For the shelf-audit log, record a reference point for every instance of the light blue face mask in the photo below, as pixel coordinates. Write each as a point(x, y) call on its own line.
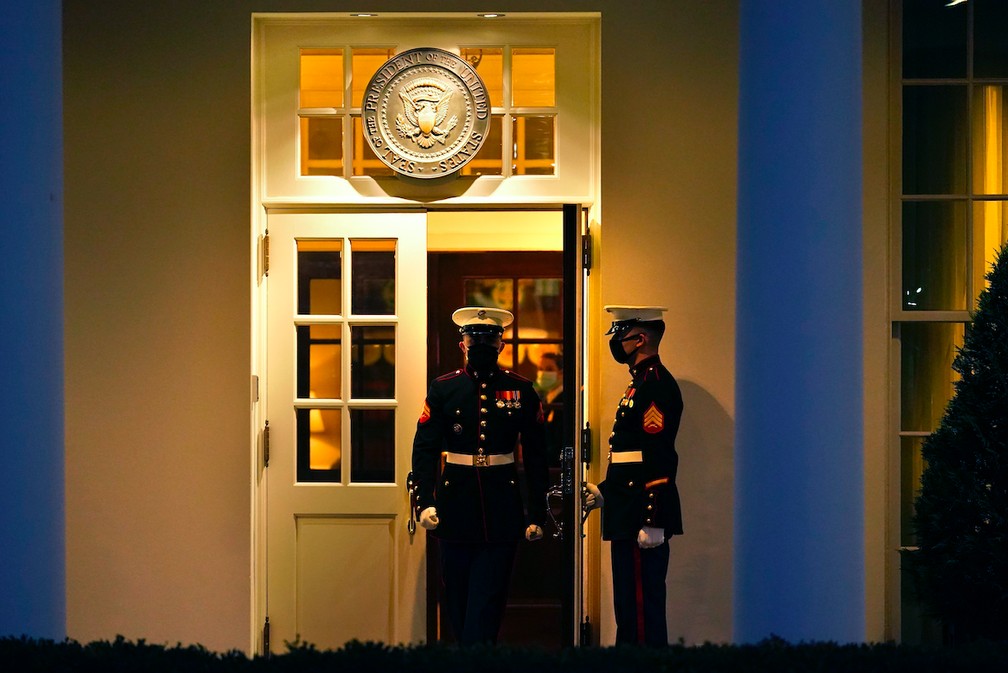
point(547, 380)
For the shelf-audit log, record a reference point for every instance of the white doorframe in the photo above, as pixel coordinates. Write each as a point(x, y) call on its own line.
point(578, 81)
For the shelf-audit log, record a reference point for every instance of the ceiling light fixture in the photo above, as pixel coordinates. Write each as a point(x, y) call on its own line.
point(490, 15)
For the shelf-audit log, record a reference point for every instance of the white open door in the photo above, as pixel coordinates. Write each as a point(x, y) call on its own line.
point(346, 368)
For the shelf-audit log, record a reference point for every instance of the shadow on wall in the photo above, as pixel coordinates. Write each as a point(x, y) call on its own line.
point(700, 566)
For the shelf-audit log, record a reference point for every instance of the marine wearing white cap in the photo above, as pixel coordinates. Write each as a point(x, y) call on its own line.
point(466, 481)
point(639, 498)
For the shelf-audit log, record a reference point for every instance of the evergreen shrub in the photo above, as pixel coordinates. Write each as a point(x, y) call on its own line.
point(774, 655)
point(961, 513)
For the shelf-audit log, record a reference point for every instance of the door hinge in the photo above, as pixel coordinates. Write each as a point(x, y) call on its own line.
point(255, 388)
point(586, 252)
point(586, 440)
point(266, 642)
point(265, 253)
point(266, 445)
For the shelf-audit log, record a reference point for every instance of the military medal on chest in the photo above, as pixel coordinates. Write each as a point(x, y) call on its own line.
point(508, 399)
point(627, 400)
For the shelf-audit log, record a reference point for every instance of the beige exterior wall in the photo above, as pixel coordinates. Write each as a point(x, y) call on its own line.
point(157, 321)
point(667, 237)
point(158, 308)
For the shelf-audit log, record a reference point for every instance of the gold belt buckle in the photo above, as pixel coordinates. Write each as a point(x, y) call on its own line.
point(480, 460)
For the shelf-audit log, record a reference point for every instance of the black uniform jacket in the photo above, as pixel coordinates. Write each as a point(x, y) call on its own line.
point(469, 413)
point(638, 494)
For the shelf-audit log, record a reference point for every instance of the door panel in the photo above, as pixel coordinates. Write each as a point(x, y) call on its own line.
point(345, 378)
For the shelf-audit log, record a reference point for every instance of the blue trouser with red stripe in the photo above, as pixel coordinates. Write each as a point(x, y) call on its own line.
point(639, 593)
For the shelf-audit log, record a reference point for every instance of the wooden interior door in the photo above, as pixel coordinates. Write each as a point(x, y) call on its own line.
point(530, 284)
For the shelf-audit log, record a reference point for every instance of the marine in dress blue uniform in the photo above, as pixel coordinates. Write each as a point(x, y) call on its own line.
point(639, 499)
point(467, 492)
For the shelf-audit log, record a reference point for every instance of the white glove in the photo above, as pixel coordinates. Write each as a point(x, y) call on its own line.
point(593, 498)
point(650, 537)
point(533, 533)
point(428, 518)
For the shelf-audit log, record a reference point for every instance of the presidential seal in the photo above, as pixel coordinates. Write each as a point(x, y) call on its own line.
point(426, 113)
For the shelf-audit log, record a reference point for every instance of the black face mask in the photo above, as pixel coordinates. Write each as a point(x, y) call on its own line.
point(481, 356)
point(616, 348)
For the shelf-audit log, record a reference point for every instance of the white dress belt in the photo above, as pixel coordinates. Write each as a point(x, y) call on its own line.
point(479, 460)
point(626, 457)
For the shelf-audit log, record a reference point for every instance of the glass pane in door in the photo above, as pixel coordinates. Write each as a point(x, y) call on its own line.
point(372, 366)
point(319, 445)
point(372, 445)
point(319, 275)
point(319, 357)
point(374, 277)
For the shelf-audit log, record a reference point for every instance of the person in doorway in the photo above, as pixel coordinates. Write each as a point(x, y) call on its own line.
point(467, 491)
point(549, 383)
point(639, 499)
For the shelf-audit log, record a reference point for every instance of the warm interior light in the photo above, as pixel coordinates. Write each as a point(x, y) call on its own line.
point(490, 15)
point(315, 423)
point(995, 178)
point(363, 14)
point(315, 420)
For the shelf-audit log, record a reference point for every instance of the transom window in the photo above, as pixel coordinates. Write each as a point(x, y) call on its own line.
point(522, 86)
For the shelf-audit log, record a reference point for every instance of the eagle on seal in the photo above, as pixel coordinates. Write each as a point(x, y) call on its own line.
point(425, 106)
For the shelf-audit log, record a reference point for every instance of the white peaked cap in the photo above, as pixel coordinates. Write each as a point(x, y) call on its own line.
point(482, 319)
point(625, 315)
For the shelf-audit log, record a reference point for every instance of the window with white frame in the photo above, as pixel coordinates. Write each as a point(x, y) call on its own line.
point(951, 219)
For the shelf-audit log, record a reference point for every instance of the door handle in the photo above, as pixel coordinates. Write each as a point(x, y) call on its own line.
point(552, 494)
point(562, 491)
point(411, 490)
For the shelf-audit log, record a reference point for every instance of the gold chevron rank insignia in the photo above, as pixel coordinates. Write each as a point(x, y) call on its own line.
point(654, 420)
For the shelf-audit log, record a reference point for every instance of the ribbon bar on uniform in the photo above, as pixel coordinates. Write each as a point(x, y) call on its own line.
point(626, 457)
point(479, 460)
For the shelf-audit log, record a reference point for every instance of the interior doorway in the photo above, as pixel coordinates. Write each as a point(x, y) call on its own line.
point(527, 276)
point(529, 285)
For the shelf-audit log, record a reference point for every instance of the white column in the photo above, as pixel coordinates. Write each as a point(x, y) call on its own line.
point(32, 550)
point(799, 488)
